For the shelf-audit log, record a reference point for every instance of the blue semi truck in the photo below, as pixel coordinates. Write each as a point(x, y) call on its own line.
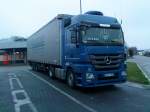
point(86, 50)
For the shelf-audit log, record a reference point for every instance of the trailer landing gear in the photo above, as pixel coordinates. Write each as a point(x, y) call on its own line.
point(51, 73)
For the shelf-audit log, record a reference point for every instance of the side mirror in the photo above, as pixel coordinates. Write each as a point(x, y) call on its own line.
point(75, 37)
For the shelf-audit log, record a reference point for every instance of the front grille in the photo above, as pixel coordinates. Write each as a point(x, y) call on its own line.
point(105, 62)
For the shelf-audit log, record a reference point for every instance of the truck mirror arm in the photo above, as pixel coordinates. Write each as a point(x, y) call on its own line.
point(77, 39)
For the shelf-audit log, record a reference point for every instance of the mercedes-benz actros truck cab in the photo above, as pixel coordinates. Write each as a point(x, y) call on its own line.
point(86, 50)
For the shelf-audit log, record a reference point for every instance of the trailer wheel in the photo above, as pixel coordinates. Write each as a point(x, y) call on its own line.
point(36, 68)
point(33, 67)
point(51, 73)
point(70, 79)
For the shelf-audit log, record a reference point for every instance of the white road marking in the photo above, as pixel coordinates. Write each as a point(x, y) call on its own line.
point(64, 93)
point(21, 102)
point(15, 91)
point(11, 79)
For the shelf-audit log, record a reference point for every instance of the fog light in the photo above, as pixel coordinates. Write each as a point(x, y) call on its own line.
point(89, 76)
point(124, 73)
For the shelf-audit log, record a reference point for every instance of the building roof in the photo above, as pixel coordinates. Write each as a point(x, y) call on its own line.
point(14, 42)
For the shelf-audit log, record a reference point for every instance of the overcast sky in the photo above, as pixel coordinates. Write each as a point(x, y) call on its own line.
point(24, 17)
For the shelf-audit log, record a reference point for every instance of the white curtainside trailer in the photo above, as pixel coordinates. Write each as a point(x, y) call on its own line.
point(45, 46)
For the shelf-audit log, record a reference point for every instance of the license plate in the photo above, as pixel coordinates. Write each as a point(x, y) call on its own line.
point(109, 75)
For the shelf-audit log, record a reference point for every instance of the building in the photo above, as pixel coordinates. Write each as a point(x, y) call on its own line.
point(141, 52)
point(13, 50)
point(146, 52)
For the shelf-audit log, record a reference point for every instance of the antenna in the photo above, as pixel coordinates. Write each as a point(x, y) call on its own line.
point(80, 6)
point(121, 12)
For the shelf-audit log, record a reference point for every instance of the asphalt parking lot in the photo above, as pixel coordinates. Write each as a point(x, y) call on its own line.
point(23, 90)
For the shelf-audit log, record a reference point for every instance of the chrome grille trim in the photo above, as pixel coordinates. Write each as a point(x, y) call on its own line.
point(99, 62)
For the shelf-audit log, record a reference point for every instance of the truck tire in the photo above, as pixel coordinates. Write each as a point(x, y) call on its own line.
point(33, 67)
point(36, 68)
point(70, 79)
point(51, 73)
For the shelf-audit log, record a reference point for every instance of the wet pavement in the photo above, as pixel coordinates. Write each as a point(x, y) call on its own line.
point(24, 90)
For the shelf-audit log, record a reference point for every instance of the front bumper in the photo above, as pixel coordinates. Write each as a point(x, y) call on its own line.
point(99, 76)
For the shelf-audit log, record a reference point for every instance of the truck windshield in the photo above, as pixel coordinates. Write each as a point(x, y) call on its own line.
point(102, 36)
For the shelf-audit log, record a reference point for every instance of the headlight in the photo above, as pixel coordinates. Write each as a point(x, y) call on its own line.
point(124, 73)
point(89, 76)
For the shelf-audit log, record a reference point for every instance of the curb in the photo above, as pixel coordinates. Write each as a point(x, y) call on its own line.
point(143, 72)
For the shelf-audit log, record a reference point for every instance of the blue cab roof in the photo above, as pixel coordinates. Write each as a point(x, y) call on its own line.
point(94, 19)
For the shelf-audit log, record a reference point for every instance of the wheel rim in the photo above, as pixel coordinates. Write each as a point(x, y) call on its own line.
point(70, 79)
point(50, 73)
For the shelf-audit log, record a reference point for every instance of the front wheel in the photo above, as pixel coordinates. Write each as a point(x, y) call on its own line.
point(71, 79)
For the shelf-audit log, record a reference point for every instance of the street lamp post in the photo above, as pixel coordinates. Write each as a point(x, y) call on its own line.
point(80, 6)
